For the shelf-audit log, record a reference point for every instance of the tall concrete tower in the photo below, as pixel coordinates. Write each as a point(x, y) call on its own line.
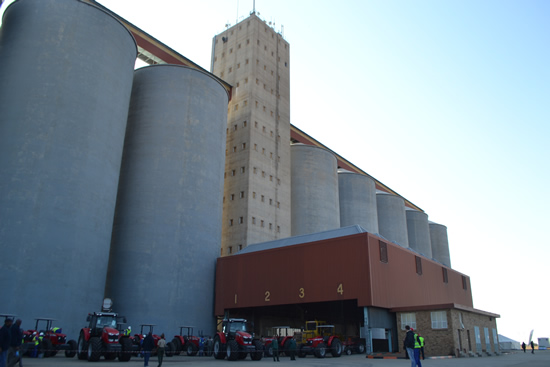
point(254, 59)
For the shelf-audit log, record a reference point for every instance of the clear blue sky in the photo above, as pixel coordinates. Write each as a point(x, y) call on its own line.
point(446, 102)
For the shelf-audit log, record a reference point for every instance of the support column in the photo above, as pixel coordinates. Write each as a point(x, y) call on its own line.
point(365, 331)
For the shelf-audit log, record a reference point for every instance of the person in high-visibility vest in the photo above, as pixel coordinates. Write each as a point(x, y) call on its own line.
point(421, 340)
point(417, 347)
point(57, 330)
point(37, 339)
point(128, 331)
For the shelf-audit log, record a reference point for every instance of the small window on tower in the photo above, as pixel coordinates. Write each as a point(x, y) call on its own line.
point(418, 265)
point(383, 251)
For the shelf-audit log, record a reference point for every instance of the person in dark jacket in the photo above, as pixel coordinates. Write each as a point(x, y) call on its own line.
point(532, 347)
point(275, 347)
point(292, 349)
point(148, 345)
point(5, 342)
point(14, 354)
point(408, 344)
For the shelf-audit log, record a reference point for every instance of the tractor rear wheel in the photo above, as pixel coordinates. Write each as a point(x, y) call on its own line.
point(169, 349)
point(217, 349)
point(232, 350)
point(301, 352)
point(82, 348)
point(320, 350)
point(336, 347)
point(70, 353)
point(361, 348)
point(126, 349)
point(95, 349)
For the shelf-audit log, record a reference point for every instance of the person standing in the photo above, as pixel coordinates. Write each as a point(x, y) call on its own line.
point(417, 350)
point(532, 347)
point(148, 345)
point(408, 344)
point(5, 341)
point(275, 347)
point(292, 349)
point(14, 353)
point(161, 347)
point(523, 346)
point(421, 340)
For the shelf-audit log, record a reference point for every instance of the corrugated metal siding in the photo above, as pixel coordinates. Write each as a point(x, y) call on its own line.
point(277, 276)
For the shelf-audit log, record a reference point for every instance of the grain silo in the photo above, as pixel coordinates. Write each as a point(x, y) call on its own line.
point(167, 231)
point(357, 195)
point(419, 232)
point(66, 71)
point(314, 190)
point(440, 243)
point(392, 222)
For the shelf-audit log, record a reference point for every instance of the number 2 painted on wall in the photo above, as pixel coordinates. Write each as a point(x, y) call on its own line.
point(267, 295)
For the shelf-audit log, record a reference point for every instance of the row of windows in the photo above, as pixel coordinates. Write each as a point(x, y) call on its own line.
point(383, 248)
point(230, 70)
point(230, 249)
point(253, 221)
point(255, 170)
point(438, 318)
point(245, 124)
point(262, 198)
point(264, 108)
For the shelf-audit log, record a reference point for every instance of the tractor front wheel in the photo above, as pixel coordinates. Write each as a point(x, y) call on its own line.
point(257, 355)
point(191, 348)
point(320, 350)
point(126, 349)
point(70, 353)
point(176, 344)
point(95, 349)
point(336, 347)
point(232, 350)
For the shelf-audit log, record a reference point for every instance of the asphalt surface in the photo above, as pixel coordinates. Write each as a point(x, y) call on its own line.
point(515, 359)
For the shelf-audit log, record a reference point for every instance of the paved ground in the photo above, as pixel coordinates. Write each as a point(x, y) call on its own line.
point(517, 359)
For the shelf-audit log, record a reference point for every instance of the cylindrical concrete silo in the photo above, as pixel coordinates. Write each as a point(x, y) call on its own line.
point(167, 231)
point(357, 195)
point(419, 232)
point(440, 243)
point(66, 71)
point(314, 190)
point(392, 222)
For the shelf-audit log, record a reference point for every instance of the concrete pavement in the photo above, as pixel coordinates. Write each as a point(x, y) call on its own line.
point(516, 359)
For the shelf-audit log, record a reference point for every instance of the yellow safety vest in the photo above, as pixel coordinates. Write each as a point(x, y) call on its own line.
point(416, 342)
point(421, 341)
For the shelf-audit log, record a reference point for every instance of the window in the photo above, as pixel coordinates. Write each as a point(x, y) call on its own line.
point(233, 172)
point(254, 195)
point(408, 319)
point(229, 250)
point(270, 201)
point(255, 170)
point(240, 247)
point(234, 149)
point(278, 204)
point(439, 319)
point(464, 283)
point(270, 226)
point(262, 223)
point(235, 127)
point(263, 198)
point(270, 178)
point(238, 65)
point(241, 220)
point(256, 147)
point(263, 151)
point(263, 173)
point(241, 194)
point(383, 251)
point(230, 70)
point(445, 275)
point(278, 228)
point(243, 169)
point(418, 265)
point(244, 123)
point(253, 220)
point(232, 196)
point(230, 222)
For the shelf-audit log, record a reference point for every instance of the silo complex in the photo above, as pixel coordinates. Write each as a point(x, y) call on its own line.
point(357, 195)
point(392, 222)
point(314, 190)
point(440, 243)
point(419, 232)
point(66, 71)
point(167, 231)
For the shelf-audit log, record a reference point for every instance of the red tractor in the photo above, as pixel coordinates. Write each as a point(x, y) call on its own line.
point(317, 338)
point(102, 338)
point(235, 341)
point(144, 330)
point(51, 339)
point(284, 337)
point(185, 341)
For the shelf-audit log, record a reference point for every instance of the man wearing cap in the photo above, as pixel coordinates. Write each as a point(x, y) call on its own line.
point(5, 341)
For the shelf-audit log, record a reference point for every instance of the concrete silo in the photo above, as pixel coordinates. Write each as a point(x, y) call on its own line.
point(167, 231)
point(66, 71)
point(392, 221)
point(419, 232)
point(314, 190)
point(357, 195)
point(440, 243)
